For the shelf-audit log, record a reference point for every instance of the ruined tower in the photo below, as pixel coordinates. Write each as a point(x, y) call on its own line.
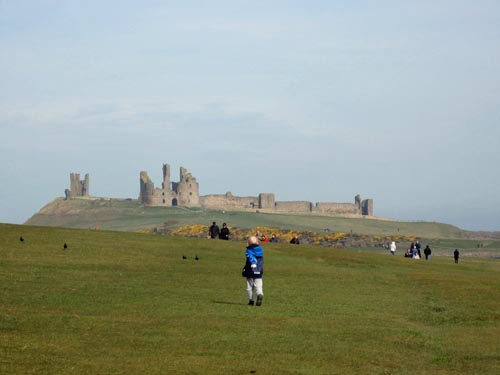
point(357, 202)
point(187, 189)
point(166, 176)
point(182, 193)
point(367, 207)
point(146, 189)
point(78, 188)
point(266, 200)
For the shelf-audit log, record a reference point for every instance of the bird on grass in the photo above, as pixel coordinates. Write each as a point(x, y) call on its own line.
point(21, 239)
point(184, 257)
point(65, 245)
point(196, 257)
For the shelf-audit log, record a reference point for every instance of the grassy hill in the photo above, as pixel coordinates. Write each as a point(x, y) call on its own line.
point(129, 215)
point(127, 303)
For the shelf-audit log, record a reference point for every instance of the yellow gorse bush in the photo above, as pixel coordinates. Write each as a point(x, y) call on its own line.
point(196, 230)
point(338, 239)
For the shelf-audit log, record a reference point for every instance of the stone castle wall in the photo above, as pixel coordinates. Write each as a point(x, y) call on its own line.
point(336, 208)
point(228, 201)
point(185, 193)
point(293, 206)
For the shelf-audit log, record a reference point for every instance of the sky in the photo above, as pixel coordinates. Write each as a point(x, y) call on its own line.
point(397, 101)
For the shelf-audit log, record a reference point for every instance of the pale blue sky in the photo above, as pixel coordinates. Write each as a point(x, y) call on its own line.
point(398, 101)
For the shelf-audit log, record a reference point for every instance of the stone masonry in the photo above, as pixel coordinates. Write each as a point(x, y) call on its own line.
point(182, 193)
point(78, 188)
point(186, 193)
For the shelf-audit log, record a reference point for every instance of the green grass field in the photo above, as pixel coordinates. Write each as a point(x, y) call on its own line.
point(127, 303)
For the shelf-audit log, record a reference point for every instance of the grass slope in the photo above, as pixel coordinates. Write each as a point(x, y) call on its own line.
point(130, 215)
point(125, 303)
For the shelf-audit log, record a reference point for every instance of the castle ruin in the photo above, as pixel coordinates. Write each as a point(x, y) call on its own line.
point(78, 188)
point(186, 193)
point(182, 193)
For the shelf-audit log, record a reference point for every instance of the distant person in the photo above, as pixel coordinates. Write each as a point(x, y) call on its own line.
point(213, 231)
point(413, 250)
point(224, 232)
point(456, 255)
point(392, 248)
point(273, 238)
point(263, 238)
point(427, 252)
point(417, 247)
point(254, 270)
point(295, 240)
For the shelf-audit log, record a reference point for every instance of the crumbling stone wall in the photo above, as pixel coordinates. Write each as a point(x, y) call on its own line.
point(228, 201)
point(185, 192)
point(78, 188)
point(293, 206)
point(337, 208)
point(148, 194)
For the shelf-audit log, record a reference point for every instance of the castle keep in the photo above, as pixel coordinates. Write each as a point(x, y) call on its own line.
point(186, 193)
point(182, 193)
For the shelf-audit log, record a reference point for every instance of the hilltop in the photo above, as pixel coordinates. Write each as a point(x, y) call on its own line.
point(130, 215)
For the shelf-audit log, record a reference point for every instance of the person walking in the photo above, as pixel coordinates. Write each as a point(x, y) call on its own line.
point(224, 232)
point(213, 231)
point(456, 255)
point(392, 248)
point(427, 252)
point(254, 270)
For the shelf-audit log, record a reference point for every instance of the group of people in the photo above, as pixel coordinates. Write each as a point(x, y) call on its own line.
point(222, 234)
point(414, 251)
point(264, 238)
